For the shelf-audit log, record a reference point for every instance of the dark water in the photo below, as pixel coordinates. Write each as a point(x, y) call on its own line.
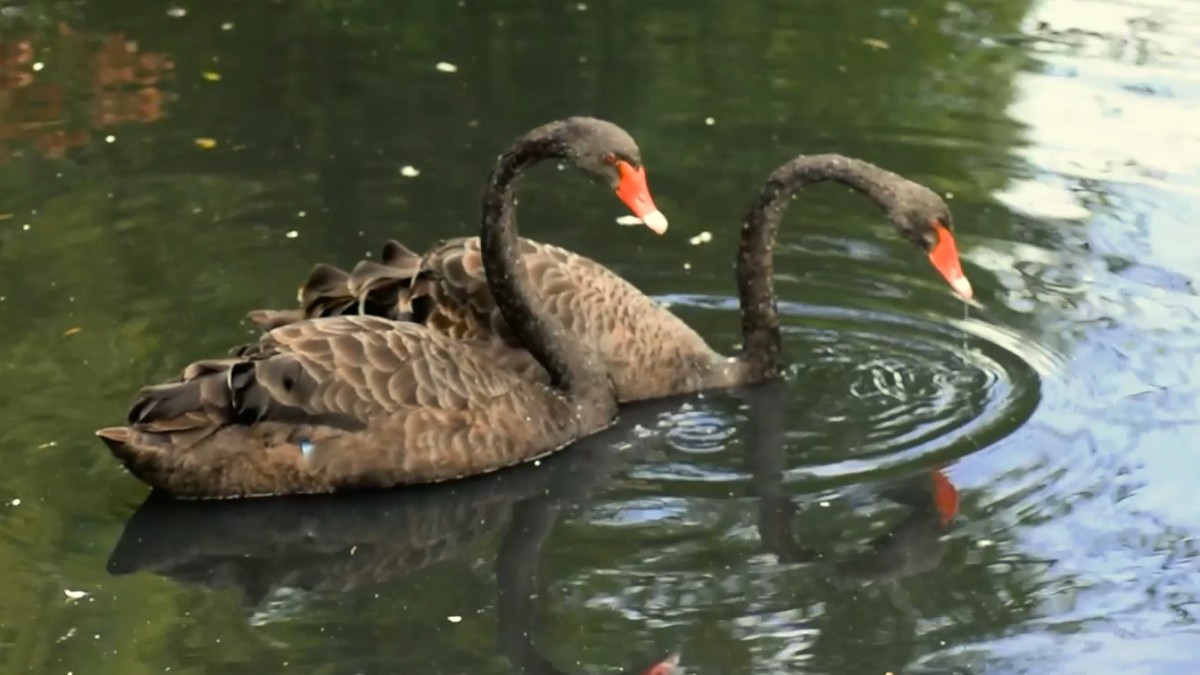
point(1009, 490)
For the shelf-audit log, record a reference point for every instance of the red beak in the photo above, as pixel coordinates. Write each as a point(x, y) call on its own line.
point(944, 257)
point(945, 496)
point(636, 194)
point(667, 666)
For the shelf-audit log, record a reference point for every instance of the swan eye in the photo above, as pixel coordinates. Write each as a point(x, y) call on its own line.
point(610, 158)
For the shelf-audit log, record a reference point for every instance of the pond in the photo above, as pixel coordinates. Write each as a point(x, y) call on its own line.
point(934, 487)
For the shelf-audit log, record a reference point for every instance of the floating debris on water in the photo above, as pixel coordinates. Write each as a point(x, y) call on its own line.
point(228, 25)
point(446, 67)
point(110, 139)
point(74, 595)
point(71, 331)
point(211, 75)
point(702, 238)
point(629, 220)
point(454, 618)
point(15, 502)
point(710, 121)
point(292, 234)
point(876, 43)
point(177, 12)
point(38, 65)
point(687, 266)
point(206, 143)
point(409, 171)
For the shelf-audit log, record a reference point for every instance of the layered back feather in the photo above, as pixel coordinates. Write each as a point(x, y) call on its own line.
point(343, 402)
point(646, 350)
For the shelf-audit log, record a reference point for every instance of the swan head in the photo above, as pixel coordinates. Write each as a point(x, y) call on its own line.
point(923, 218)
point(609, 154)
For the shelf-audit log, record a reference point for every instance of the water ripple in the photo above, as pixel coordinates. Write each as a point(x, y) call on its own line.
point(870, 391)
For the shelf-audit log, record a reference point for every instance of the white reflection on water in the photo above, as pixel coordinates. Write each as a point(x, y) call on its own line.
point(1100, 485)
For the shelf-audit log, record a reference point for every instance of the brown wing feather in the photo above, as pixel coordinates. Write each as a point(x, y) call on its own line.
point(375, 402)
point(648, 351)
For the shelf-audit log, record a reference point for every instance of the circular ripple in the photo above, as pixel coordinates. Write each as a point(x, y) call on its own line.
point(881, 389)
point(699, 431)
point(868, 391)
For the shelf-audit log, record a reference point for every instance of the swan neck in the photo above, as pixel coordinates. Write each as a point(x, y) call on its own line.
point(570, 367)
point(761, 338)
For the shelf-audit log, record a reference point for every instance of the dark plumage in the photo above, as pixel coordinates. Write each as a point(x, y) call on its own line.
point(359, 401)
point(646, 350)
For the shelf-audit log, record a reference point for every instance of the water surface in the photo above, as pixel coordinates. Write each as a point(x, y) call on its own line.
point(931, 490)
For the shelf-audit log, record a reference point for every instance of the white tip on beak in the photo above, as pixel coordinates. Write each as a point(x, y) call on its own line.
point(963, 287)
point(657, 222)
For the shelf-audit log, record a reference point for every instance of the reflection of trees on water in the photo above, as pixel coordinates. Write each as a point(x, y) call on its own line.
point(45, 79)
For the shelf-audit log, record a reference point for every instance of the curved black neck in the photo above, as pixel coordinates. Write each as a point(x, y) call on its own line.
point(571, 368)
point(761, 339)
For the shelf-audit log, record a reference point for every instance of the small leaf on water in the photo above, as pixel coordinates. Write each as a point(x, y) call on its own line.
point(72, 331)
point(212, 76)
point(876, 43)
point(206, 143)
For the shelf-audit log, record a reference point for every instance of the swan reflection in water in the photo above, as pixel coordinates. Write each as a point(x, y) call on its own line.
point(911, 546)
point(333, 543)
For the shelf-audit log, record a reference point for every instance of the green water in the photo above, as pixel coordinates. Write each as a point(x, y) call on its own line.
point(167, 168)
